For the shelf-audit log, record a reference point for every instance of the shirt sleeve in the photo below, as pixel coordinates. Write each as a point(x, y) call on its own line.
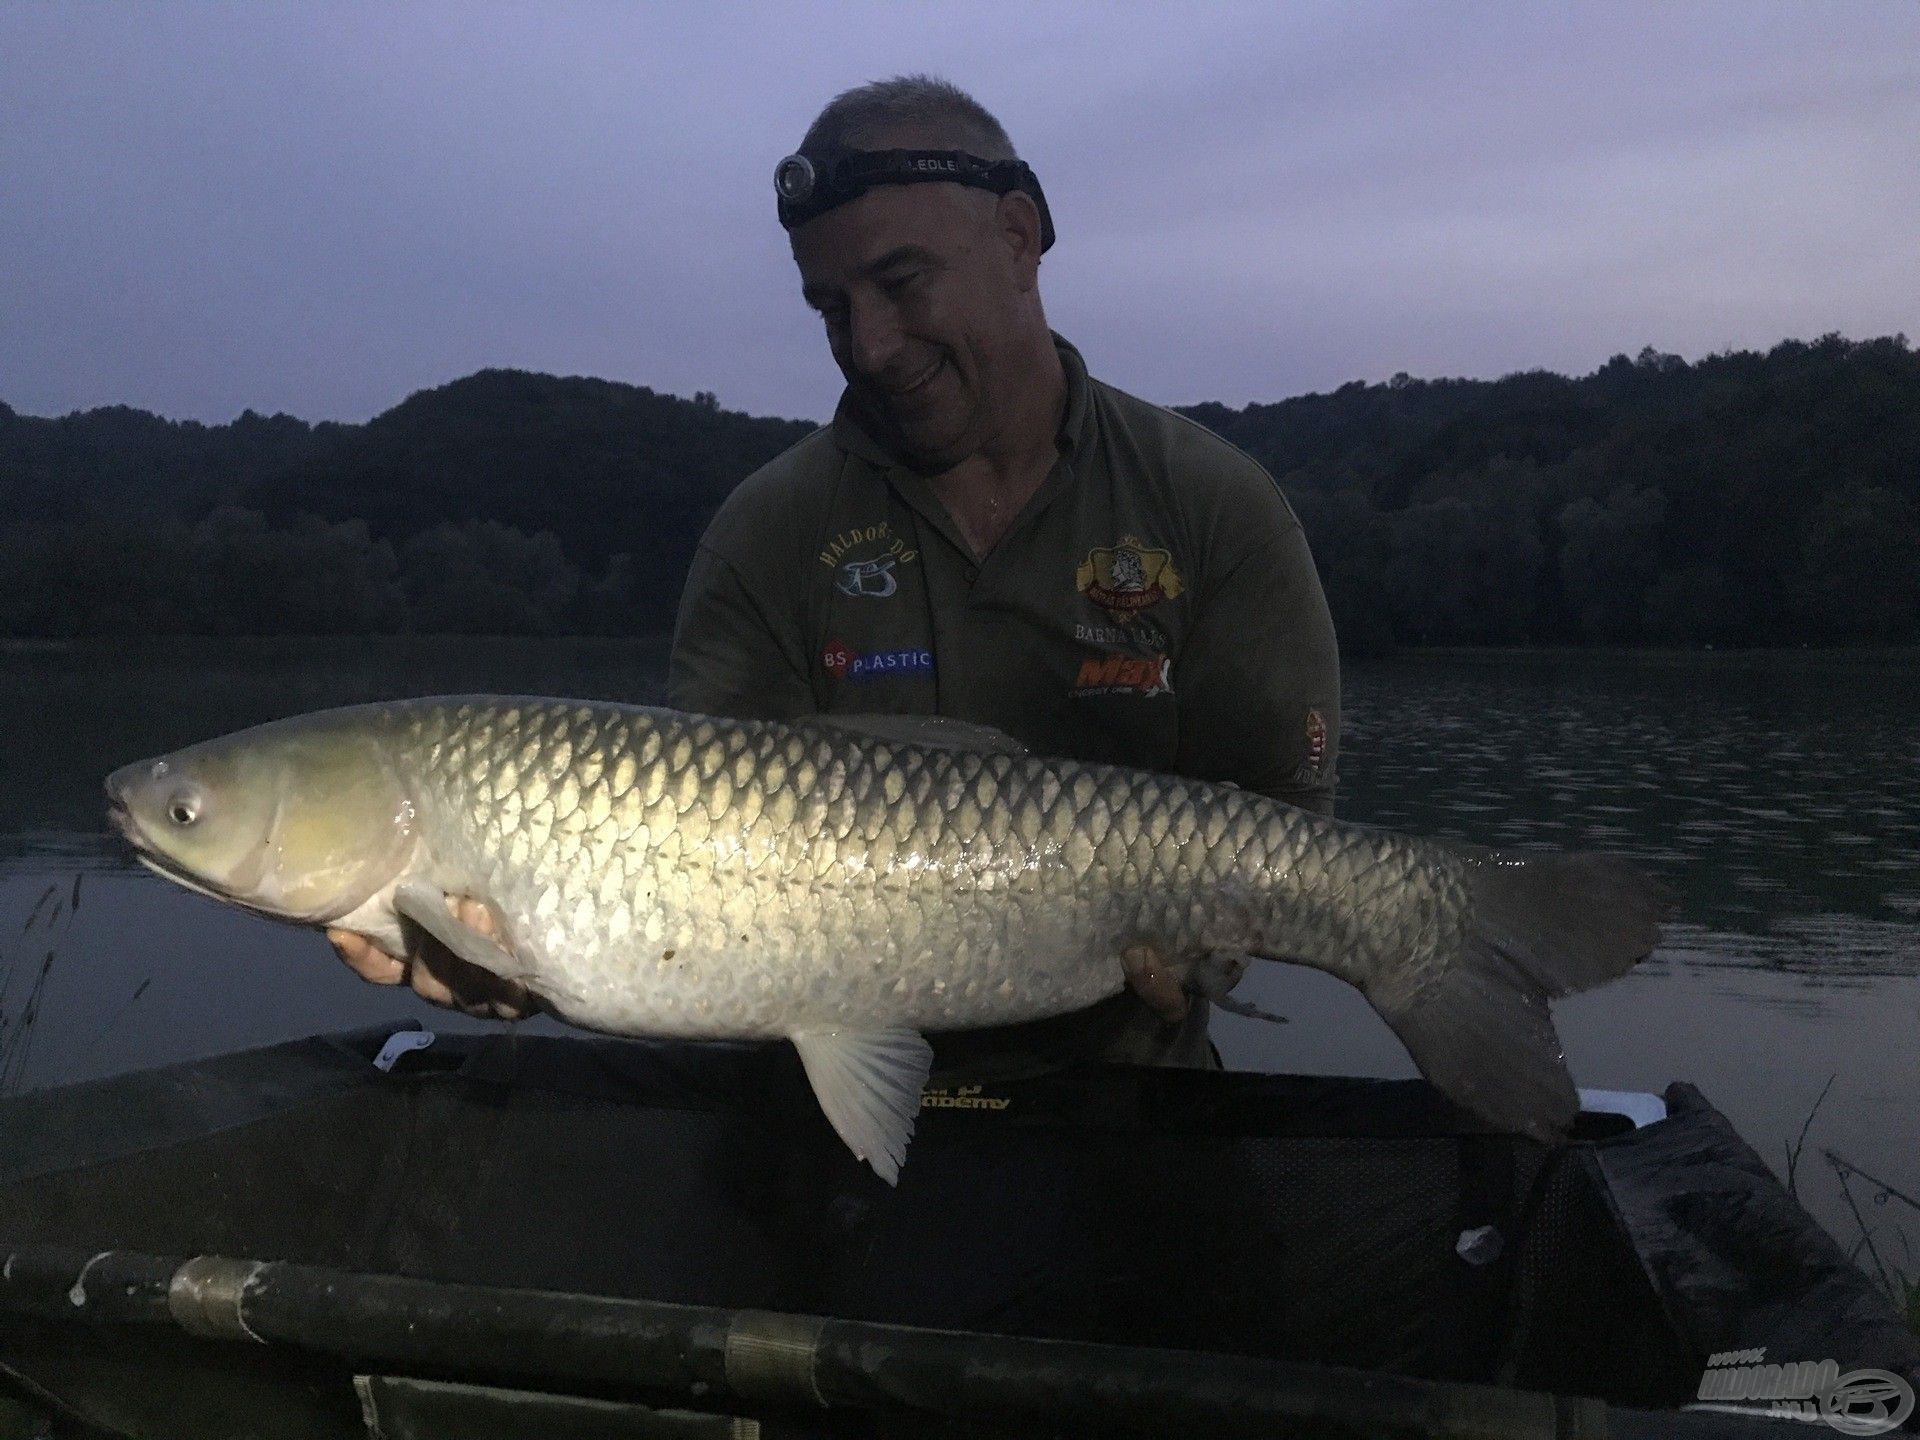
point(1258, 673)
point(734, 653)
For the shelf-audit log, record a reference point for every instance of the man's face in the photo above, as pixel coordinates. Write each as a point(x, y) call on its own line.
point(920, 287)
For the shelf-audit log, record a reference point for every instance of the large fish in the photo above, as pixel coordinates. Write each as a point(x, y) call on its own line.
point(850, 883)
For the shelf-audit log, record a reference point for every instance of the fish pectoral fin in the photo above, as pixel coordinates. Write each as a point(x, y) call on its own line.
point(1214, 977)
point(1247, 1008)
point(869, 1083)
point(426, 906)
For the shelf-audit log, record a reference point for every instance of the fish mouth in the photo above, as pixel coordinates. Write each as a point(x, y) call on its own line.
point(120, 811)
point(120, 820)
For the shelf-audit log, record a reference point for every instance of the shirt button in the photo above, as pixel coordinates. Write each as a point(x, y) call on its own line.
point(970, 574)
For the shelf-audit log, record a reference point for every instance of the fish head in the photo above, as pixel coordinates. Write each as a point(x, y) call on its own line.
point(296, 820)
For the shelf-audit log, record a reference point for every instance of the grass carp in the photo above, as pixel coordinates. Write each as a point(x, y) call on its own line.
point(848, 883)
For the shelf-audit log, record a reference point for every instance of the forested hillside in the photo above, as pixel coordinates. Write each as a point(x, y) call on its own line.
point(1745, 499)
point(504, 503)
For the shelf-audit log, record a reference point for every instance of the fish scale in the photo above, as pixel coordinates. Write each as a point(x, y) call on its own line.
point(1010, 888)
point(849, 883)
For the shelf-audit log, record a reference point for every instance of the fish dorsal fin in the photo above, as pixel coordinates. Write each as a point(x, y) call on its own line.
point(869, 1083)
point(937, 731)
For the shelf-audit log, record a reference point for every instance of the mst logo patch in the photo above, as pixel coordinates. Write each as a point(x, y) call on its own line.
point(845, 664)
point(864, 559)
point(1125, 578)
point(1116, 674)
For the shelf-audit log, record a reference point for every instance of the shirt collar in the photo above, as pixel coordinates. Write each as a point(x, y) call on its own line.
point(1076, 422)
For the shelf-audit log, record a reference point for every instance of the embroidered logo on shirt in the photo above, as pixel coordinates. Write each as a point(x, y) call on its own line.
point(1116, 674)
point(845, 664)
point(1309, 770)
point(1128, 577)
point(872, 578)
point(1140, 633)
point(864, 558)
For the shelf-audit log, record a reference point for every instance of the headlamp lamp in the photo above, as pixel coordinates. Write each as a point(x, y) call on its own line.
point(810, 185)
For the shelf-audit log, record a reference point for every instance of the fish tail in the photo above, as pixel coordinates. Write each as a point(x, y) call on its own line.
point(1533, 927)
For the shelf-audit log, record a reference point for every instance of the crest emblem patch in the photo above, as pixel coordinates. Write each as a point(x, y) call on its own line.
point(1129, 577)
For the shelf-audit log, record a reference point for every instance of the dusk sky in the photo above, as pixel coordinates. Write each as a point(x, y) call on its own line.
point(319, 208)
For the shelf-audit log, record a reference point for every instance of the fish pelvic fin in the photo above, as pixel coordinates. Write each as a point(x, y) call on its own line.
point(1213, 977)
point(1537, 926)
point(869, 1084)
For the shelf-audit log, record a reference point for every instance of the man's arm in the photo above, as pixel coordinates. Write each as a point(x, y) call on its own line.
point(735, 653)
point(1258, 674)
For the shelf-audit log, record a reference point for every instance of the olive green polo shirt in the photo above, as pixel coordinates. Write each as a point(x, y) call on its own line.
point(1153, 605)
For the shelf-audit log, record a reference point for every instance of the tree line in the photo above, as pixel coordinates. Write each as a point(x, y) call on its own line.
point(1744, 499)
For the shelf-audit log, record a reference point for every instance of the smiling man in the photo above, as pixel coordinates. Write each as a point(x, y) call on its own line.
point(986, 533)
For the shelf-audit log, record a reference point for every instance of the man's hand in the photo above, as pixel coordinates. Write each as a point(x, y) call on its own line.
point(436, 974)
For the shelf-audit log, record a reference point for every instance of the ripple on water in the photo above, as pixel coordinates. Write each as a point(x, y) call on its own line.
point(1822, 949)
point(37, 852)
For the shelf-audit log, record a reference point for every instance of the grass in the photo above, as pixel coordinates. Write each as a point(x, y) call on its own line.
point(31, 955)
point(1896, 1276)
point(26, 965)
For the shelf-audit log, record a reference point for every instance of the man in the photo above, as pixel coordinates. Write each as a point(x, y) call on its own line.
point(986, 533)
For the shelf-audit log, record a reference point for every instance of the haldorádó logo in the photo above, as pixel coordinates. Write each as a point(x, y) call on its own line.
point(1858, 1402)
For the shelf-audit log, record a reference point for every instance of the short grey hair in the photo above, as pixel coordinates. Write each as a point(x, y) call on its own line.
point(854, 118)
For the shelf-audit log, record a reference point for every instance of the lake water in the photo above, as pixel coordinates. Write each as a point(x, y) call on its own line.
point(1779, 796)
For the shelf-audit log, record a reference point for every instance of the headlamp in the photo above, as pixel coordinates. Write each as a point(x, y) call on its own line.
point(810, 185)
point(793, 179)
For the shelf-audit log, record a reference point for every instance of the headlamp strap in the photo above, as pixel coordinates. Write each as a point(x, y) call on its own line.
point(808, 186)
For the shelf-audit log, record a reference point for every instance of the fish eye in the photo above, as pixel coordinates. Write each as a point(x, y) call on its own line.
point(184, 808)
